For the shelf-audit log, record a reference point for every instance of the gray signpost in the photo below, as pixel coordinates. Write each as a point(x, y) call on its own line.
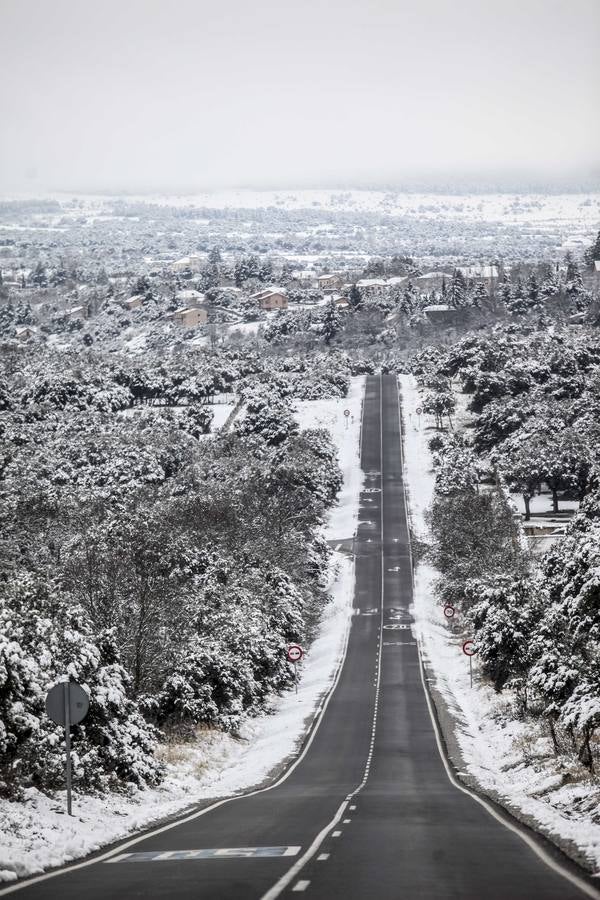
point(295, 654)
point(67, 704)
point(468, 648)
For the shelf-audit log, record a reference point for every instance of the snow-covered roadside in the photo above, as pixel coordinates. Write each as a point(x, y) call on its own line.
point(509, 759)
point(345, 434)
point(37, 834)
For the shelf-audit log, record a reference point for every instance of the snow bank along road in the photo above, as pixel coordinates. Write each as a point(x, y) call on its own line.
point(370, 808)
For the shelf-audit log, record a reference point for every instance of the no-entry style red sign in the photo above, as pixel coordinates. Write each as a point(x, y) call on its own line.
point(468, 648)
point(295, 653)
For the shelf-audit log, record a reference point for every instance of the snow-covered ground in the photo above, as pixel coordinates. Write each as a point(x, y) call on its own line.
point(345, 433)
point(508, 758)
point(579, 209)
point(37, 834)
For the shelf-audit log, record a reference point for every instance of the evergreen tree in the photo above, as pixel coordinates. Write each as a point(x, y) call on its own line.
point(593, 252)
point(506, 289)
point(355, 297)
point(39, 277)
point(458, 290)
point(332, 322)
point(480, 296)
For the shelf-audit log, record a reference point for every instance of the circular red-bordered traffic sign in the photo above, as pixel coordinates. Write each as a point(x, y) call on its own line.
point(468, 648)
point(418, 410)
point(295, 653)
point(346, 412)
point(449, 611)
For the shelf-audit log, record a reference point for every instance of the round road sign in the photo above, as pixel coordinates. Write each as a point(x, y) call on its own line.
point(346, 412)
point(295, 653)
point(418, 410)
point(74, 696)
point(468, 648)
point(449, 611)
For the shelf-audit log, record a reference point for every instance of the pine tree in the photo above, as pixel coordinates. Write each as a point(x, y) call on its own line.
point(533, 290)
point(480, 296)
point(593, 252)
point(355, 297)
point(506, 289)
point(458, 290)
point(332, 322)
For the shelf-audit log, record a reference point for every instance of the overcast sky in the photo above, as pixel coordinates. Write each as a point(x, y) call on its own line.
point(183, 94)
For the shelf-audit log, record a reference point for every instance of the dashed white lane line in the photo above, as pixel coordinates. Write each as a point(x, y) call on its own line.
point(322, 857)
point(346, 821)
point(352, 807)
point(300, 886)
point(286, 879)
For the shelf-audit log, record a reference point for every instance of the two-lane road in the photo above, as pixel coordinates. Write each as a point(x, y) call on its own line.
point(370, 809)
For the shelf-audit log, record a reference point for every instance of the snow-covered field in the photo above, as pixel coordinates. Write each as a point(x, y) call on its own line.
point(582, 209)
point(511, 760)
point(37, 834)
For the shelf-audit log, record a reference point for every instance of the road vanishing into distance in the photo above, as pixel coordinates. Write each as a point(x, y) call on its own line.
point(371, 809)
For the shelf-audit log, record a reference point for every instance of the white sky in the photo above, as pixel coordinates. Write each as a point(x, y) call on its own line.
point(183, 94)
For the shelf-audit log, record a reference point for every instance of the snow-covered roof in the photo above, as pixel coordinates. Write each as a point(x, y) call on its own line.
point(397, 279)
point(187, 309)
point(189, 294)
point(371, 282)
point(269, 292)
point(597, 265)
point(433, 275)
point(478, 271)
point(76, 309)
point(436, 307)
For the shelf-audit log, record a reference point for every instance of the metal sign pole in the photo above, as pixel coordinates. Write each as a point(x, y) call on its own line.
point(471, 670)
point(66, 688)
point(296, 675)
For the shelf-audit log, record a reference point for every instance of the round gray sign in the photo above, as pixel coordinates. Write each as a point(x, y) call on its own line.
point(71, 693)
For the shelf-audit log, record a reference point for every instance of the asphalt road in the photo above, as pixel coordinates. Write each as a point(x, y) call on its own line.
point(369, 811)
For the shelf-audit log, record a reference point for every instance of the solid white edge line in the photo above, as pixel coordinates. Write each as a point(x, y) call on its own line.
point(531, 842)
point(295, 870)
point(315, 725)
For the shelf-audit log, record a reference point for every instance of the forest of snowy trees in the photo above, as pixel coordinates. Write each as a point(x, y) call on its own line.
point(534, 400)
point(163, 568)
point(166, 566)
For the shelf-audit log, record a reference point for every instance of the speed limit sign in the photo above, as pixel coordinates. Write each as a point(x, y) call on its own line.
point(346, 412)
point(418, 410)
point(449, 611)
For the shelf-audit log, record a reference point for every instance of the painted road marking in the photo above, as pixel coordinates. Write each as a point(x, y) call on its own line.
point(301, 885)
point(390, 627)
point(335, 833)
point(399, 643)
point(218, 853)
point(322, 857)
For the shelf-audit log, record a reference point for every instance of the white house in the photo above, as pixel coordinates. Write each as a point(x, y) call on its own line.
point(486, 274)
point(189, 297)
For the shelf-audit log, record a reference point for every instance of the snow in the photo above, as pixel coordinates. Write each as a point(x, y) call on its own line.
point(509, 758)
point(542, 504)
point(37, 833)
point(345, 433)
point(221, 412)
